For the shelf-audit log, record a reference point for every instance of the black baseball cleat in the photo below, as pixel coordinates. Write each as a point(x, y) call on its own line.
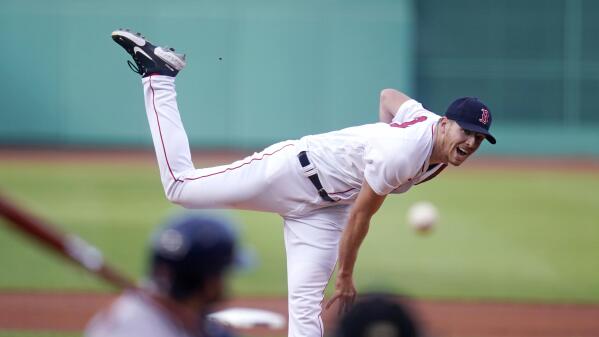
point(150, 60)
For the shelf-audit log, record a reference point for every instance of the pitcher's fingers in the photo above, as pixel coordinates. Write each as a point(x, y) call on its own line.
point(348, 302)
point(343, 306)
point(331, 301)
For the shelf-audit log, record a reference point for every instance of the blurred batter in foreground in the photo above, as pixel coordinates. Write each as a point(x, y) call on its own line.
point(189, 259)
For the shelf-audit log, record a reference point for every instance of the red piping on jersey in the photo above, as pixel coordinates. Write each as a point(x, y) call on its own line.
point(409, 123)
point(208, 175)
point(236, 167)
point(443, 167)
point(320, 313)
point(160, 131)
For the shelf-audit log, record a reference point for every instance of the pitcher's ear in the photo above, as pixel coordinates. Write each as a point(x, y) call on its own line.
point(443, 124)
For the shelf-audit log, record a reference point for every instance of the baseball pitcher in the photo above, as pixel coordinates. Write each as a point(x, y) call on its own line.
point(326, 187)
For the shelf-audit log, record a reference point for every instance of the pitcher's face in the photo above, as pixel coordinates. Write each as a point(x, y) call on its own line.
point(459, 143)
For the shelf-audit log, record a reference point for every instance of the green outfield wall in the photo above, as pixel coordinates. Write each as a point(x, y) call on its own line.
point(263, 71)
point(259, 71)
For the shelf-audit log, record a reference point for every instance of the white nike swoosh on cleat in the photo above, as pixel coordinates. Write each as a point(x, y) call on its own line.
point(136, 49)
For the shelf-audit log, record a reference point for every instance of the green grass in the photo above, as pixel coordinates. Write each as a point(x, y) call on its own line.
point(503, 235)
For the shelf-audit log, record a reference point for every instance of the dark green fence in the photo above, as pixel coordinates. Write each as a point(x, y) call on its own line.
point(535, 62)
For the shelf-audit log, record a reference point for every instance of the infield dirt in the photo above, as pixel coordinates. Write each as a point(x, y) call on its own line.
point(69, 312)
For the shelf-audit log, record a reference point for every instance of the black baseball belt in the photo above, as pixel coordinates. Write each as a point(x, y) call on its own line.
point(311, 173)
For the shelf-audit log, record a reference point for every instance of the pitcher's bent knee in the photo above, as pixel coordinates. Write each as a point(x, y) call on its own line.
point(173, 193)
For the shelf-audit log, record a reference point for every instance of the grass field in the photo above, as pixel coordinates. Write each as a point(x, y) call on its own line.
point(518, 235)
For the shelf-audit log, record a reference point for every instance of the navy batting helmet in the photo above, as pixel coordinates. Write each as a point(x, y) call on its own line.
point(191, 247)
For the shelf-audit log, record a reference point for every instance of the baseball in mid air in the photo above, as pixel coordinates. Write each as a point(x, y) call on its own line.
point(422, 216)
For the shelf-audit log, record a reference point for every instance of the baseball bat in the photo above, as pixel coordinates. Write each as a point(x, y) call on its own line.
point(69, 246)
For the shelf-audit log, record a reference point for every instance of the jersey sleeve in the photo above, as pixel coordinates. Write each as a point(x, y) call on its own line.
point(408, 110)
point(388, 166)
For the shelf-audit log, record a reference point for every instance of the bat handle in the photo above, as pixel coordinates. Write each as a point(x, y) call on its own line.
point(91, 258)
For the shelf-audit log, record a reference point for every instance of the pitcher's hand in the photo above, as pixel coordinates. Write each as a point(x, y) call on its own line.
point(345, 292)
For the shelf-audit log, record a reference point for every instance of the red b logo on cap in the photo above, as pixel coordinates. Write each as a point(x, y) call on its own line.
point(485, 116)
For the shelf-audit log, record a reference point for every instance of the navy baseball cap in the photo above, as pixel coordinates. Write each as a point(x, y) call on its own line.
point(471, 114)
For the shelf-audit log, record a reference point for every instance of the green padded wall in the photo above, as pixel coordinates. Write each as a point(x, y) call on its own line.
point(288, 68)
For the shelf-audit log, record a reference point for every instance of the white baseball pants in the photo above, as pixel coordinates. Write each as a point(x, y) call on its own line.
point(271, 181)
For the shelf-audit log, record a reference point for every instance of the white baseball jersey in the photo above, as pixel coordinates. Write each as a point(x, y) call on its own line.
point(390, 157)
point(134, 314)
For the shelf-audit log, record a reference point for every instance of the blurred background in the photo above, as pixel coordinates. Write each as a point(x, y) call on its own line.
point(292, 68)
point(520, 223)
